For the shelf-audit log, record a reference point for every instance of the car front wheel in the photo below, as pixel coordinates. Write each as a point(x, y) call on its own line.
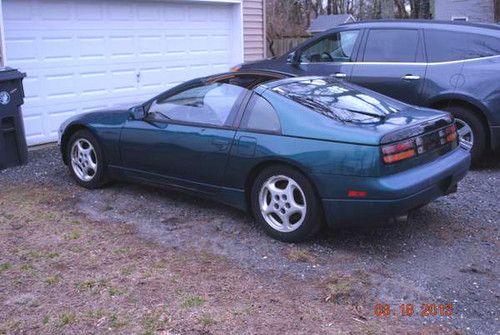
point(85, 160)
point(284, 203)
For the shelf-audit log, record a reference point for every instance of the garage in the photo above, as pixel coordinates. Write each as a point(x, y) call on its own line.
point(86, 55)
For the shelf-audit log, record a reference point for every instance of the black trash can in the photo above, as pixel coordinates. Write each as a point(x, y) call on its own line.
point(13, 149)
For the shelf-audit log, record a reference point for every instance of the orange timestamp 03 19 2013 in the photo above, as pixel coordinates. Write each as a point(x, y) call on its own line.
point(424, 310)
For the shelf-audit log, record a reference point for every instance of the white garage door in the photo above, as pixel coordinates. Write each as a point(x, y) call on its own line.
point(85, 55)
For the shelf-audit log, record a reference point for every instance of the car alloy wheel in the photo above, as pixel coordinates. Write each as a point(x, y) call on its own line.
point(465, 133)
point(282, 203)
point(83, 160)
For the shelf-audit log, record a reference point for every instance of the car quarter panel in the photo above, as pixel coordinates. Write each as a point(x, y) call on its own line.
point(481, 79)
point(322, 161)
point(105, 126)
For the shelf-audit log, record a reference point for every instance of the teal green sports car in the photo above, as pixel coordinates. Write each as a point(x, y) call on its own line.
point(297, 152)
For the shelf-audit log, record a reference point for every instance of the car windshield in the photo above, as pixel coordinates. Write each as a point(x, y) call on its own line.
point(336, 100)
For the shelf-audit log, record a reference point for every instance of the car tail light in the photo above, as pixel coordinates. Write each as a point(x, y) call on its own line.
point(449, 134)
point(418, 145)
point(399, 151)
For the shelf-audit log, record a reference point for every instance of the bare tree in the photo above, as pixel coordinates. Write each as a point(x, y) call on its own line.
point(292, 18)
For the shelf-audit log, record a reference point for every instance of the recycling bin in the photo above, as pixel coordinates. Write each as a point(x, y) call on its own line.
point(13, 148)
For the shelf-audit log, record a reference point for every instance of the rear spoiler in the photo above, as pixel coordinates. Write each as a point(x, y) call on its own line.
point(418, 129)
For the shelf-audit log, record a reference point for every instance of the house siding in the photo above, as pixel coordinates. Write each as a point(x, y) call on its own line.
point(254, 31)
point(475, 10)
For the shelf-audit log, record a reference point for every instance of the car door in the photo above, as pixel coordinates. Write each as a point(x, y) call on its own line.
point(184, 138)
point(331, 55)
point(391, 61)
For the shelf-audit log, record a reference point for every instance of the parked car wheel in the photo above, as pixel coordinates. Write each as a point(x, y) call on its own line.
point(285, 204)
point(471, 131)
point(86, 160)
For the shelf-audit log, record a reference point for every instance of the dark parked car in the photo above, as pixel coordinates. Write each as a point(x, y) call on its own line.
point(442, 65)
point(294, 151)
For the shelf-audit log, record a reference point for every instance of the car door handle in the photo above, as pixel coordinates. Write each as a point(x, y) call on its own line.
point(221, 145)
point(339, 75)
point(410, 77)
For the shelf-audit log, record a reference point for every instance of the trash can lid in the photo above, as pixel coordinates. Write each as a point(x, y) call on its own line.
point(8, 73)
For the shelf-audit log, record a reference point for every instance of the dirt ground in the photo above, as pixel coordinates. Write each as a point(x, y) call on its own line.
point(134, 259)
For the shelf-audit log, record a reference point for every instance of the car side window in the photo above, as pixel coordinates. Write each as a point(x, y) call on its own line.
point(443, 46)
point(208, 104)
point(260, 115)
point(337, 47)
point(391, 45)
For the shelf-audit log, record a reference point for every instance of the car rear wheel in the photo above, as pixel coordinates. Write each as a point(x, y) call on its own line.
point(471, 131)
point(285, 204)
point(85, 160)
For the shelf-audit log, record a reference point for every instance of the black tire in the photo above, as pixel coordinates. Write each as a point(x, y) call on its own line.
point(478, 130)
point(100, 176)
point(313, 220)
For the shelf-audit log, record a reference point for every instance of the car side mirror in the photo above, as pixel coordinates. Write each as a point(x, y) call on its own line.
point(293, 58)
point(137, 113)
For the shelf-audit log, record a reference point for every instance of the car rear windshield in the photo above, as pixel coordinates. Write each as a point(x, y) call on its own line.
point(337, 100)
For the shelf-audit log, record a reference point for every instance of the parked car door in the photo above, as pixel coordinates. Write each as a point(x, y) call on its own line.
point(331, 55)
point(186, 136)
point(392, 62)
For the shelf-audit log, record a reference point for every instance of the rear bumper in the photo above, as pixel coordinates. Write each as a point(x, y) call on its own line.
point(416, 187)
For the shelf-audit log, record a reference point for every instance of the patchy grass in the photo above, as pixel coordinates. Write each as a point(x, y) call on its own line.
point(114, 291)
point(53, 280)
point(339, 289)
point(193, 301)
point(347, 288)
point(116, 322)
point(72, 235)
point(43, 254)
point(207, 320)
point(29, 269)
point(122, 250)
point(66, 319)
point(127, 270)
point(154, 322)
point(5, 267)
point(300, 255)
point(93, 277)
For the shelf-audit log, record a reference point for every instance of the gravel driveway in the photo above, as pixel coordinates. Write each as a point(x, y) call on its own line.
point(446, 254)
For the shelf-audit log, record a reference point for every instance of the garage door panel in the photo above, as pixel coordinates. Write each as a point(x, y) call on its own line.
point(17, 11)
point(33, 126)
point(119, 11)
point(22, 50)
point(94, 83)
point(89, 10)
point(86, 55)
point(91, 48)
point(59, 10)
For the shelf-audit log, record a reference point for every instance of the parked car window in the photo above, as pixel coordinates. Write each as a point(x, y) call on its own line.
point(336, 47)
point(261, 116)
point(209, 104)
point(391, 45)
point(445, 46)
